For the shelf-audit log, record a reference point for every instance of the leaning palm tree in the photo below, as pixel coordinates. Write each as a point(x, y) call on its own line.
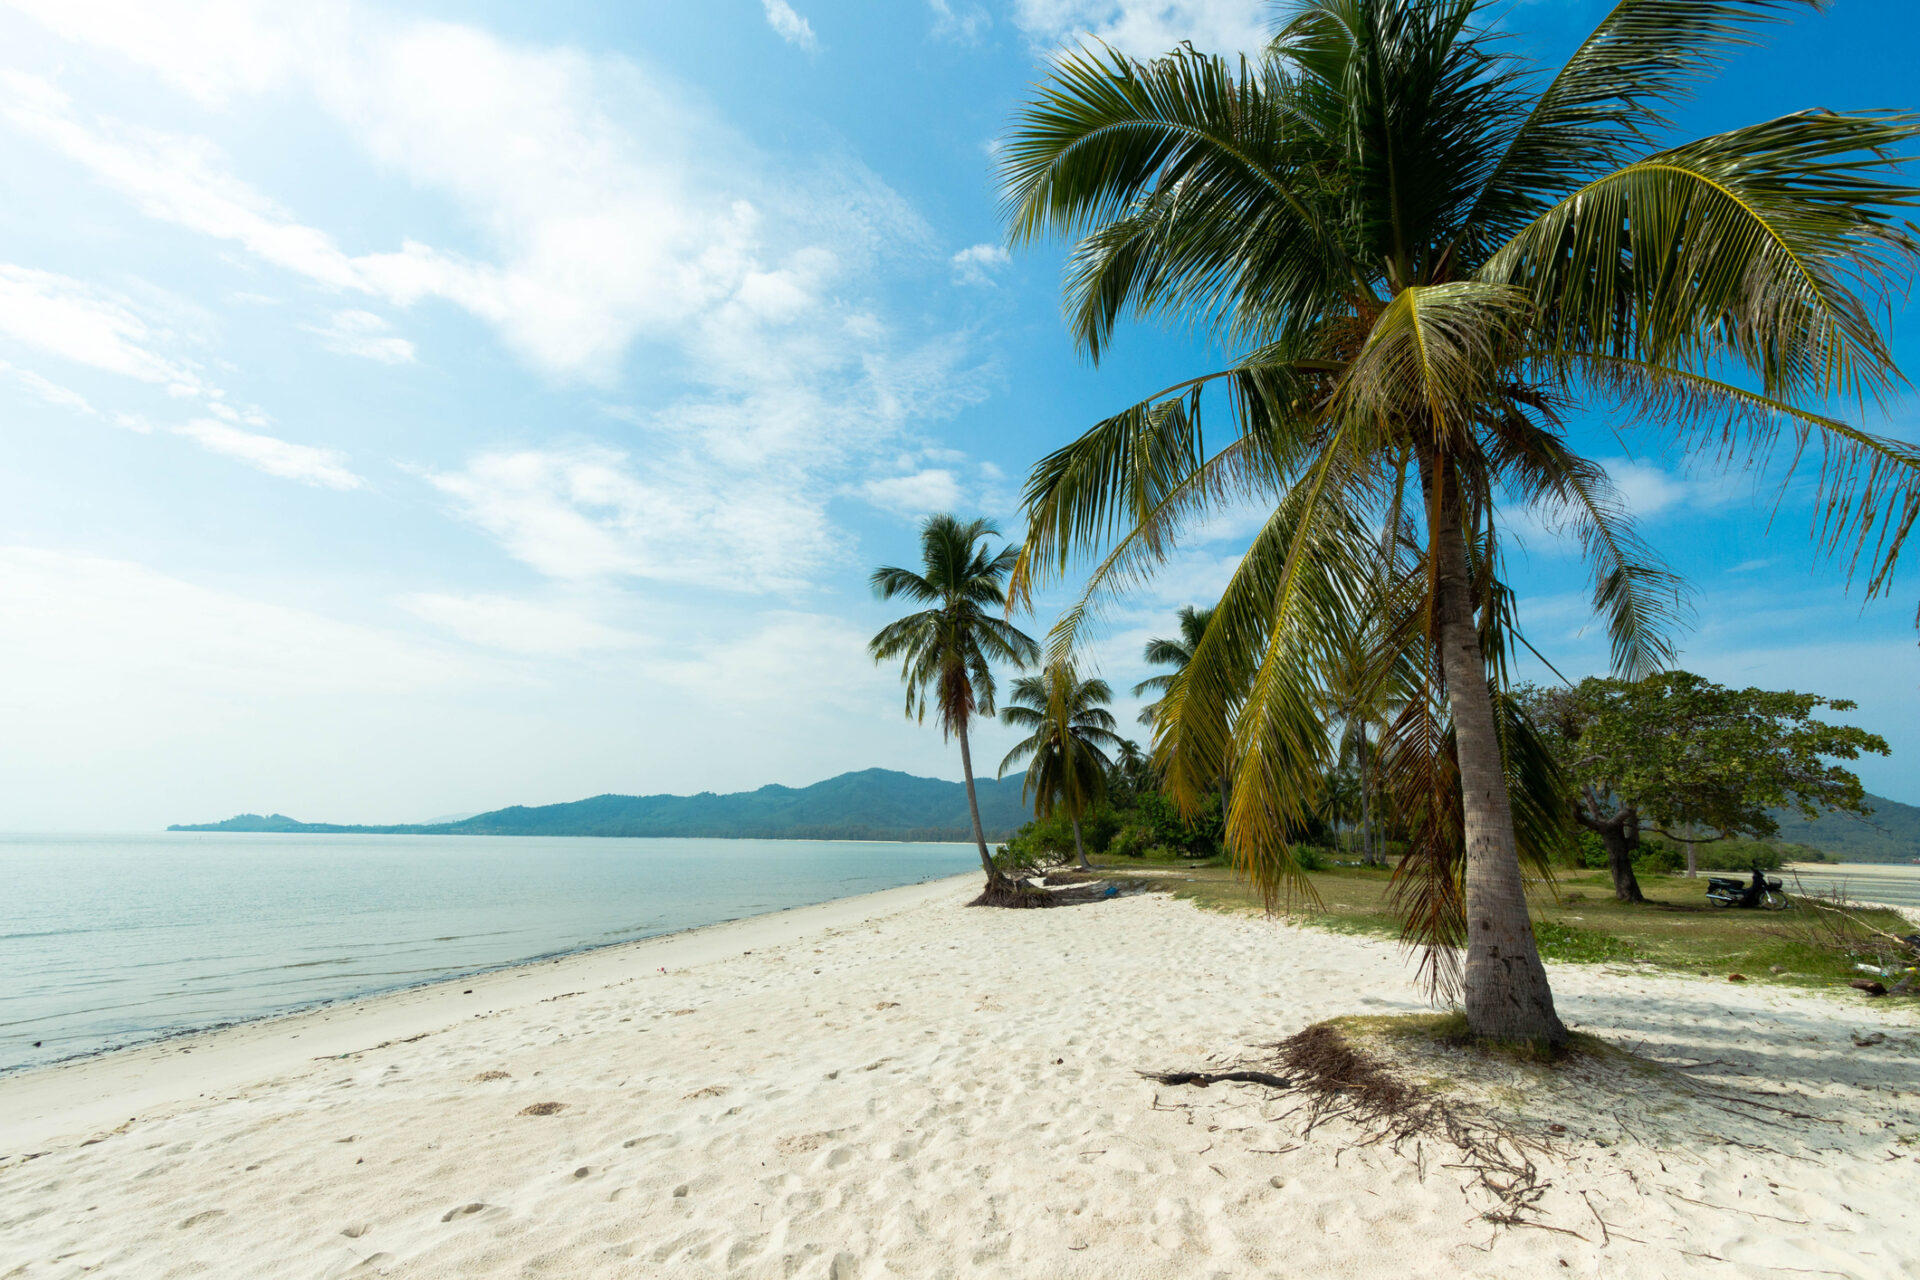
point(1069, 732)
point(1428, 251)
point(947, 649)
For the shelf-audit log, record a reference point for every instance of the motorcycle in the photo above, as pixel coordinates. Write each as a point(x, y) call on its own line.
point(1762, 893)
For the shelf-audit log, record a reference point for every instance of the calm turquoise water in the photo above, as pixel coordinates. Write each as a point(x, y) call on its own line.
point(112, 940)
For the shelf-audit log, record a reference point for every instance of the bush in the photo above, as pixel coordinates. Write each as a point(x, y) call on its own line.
point(1014, 860)
point(1309, 857)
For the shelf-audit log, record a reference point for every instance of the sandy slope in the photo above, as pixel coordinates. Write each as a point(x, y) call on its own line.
point(897, 1086)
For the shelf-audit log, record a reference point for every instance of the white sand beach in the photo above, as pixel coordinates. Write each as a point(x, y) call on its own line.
point(895, 1085)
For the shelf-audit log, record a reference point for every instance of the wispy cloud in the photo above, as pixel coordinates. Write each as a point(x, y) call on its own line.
point(790, 26)
point(1146, 28)
point(75, 321)
point(917, 494)
point(963, 23)
point(363, 334)
point(592, 512)
point(544, 628)
point(326, 468)
point(50, 391)
point(977, 264)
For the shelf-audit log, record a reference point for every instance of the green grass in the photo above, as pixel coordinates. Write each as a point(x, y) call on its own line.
point(1676, 929)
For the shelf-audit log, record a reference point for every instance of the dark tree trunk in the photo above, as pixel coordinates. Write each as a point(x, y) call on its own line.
point(1373, 858)
point(1506, 994)
point(1626, 886)
point(973, 807)
point(1079, 849)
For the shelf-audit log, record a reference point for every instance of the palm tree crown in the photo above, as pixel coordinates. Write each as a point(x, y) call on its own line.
point(947, 650)
point(1429, 251)
point(1069, 732)
point(1175, 653)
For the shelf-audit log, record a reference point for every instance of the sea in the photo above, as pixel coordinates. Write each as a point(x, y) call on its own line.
point(115, 940)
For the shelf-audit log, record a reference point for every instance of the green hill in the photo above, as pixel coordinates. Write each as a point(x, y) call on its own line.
point(1891, 833)
point(873, 804)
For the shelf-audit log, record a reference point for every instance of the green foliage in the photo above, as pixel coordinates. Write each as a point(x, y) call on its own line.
point(1069, 731)
point(1426, 252)
point(1560, 941)
point(946, 651)
point(1685, 753)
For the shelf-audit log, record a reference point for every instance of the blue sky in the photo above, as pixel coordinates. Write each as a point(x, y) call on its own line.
point(422, 408)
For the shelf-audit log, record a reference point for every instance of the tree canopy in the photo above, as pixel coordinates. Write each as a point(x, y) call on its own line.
point(1689, 759)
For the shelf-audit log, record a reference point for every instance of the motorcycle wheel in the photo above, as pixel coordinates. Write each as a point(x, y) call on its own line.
point(1775, 901)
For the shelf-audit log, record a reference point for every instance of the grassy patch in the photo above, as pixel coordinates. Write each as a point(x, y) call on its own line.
point(1577, 921)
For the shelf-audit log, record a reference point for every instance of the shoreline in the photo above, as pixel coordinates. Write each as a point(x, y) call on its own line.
point(893, 1084)
point(132, 1080)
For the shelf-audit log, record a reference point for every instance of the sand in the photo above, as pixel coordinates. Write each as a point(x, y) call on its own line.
point(895, 1085)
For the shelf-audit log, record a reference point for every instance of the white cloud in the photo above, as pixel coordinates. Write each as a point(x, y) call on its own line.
point(52, 392)
point(589, 513)
point(1648, 490)
point(744, 674)
point(919, 494)
point(74, 321)
point(326, 468)
point(99, 628)
point(1148, 28)
point(963, 24)
point(541, 628)
point(976, 264)
point(790, 26)
point(363, 334)
point(608, 209)
point(601, 233)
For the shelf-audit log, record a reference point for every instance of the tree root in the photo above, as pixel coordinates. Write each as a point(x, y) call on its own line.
point(1340, 1082)
point(1205, 1078)
point(1001, 892)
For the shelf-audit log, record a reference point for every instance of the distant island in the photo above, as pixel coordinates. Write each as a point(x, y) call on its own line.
point(872, 804)
point(1891, 833)
point(883, 804)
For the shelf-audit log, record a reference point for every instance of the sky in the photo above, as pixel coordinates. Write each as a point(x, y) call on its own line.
point(409, 410)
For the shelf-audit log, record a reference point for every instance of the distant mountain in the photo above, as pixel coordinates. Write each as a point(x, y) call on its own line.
point(1891, 833)
point(873, 804)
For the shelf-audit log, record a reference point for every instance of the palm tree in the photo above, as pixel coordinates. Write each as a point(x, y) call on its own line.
point(1069, 733)
point(1164, 652)
point(946, 650)
point(1428, 252)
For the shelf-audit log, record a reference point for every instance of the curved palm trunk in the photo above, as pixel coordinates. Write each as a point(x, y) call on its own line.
point(1079, 849)
point(1506, 996)
point(973, 807)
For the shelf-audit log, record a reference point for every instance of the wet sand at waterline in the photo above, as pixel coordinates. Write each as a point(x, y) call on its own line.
point(895, 1085)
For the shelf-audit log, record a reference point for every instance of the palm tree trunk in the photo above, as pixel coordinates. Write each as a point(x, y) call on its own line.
point(1079, 849)
point(1366, 808)
point(1507, 996)
point(973, 807)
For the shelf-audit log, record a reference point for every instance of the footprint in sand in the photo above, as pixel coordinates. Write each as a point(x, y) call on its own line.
point(206, 1215)
point(357, 1230)
point(711, 1091)
point(544, 1109)
point(485, 1076)
point(469, 1209)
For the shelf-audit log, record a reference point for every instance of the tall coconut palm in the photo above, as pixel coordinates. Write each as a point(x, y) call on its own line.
point(1429, 251)
point(1069, 732)
point(946, 651)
